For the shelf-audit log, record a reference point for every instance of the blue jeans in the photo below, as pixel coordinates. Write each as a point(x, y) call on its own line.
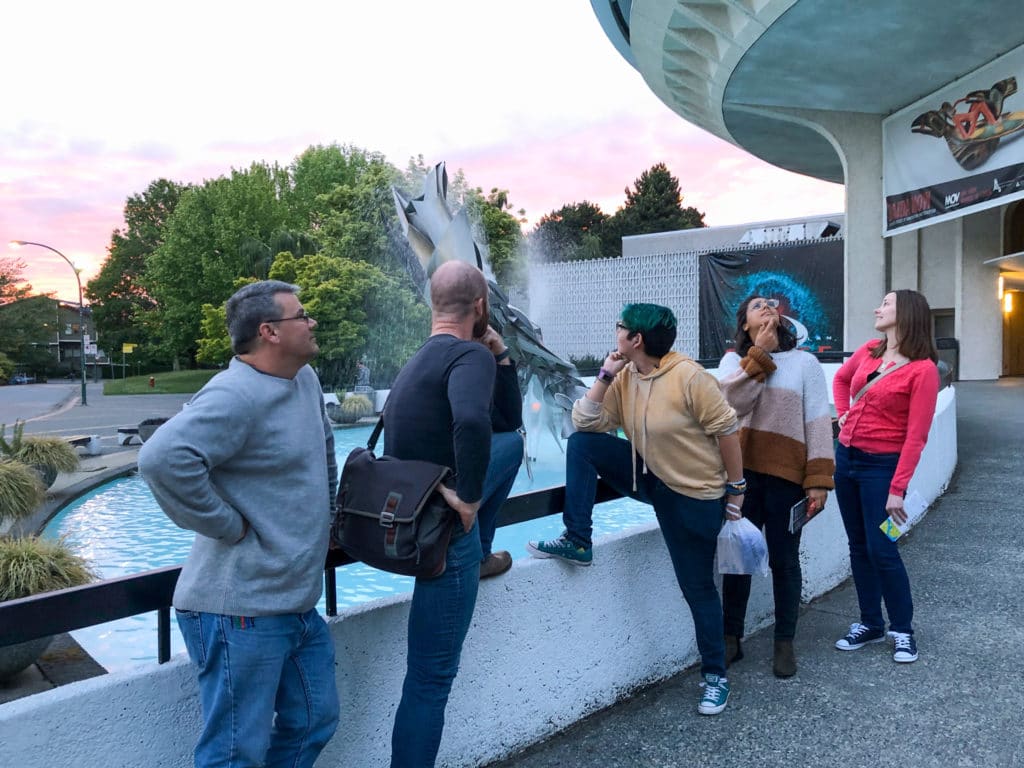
point(862, 488)
point(439, 618)
point(689, 526)
point(767, 504)
point(506, 456)
point(252, 668)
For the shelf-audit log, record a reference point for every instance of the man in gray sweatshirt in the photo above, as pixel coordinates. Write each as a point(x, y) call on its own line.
point(249, 466)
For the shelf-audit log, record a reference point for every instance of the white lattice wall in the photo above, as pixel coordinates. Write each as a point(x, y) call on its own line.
point(577, 303)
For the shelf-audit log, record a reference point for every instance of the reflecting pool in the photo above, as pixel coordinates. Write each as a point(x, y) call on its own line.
point(121, 530)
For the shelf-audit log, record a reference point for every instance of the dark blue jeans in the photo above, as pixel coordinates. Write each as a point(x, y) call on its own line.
point(767, 504)
point(689, 526)
point(439, 618)
point(506, 457)
point(862, 488)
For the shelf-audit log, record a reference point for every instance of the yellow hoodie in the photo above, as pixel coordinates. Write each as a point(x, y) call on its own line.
point(672, 416)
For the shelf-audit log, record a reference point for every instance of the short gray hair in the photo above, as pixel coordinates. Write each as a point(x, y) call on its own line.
point(249, 307)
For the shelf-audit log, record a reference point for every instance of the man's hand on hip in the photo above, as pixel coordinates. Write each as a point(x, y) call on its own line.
point(467, 511)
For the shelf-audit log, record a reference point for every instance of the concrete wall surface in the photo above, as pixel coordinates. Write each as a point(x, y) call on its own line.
point(550, 644)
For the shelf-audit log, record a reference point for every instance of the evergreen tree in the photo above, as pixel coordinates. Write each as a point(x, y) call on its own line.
point(655, 204)
point(571, 233)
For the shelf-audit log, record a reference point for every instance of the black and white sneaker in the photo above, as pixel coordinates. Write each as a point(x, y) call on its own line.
point(904, 647)
point(859, 636)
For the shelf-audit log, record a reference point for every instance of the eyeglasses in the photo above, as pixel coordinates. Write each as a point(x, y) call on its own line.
point(620, 327)
point(760, 304)
point(301, 316)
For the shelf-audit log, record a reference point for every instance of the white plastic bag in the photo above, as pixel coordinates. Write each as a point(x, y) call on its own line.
point(742, 549)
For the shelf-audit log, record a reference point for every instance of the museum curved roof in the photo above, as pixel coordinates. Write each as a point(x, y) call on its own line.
point(734, 67)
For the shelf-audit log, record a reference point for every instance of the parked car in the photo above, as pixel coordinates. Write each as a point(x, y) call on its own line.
point(23, 378)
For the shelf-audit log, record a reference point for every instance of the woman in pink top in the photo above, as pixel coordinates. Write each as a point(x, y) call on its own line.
point(885, 398)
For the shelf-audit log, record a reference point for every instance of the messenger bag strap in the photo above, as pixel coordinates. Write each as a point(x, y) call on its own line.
point(874, 381)
point(377, 429)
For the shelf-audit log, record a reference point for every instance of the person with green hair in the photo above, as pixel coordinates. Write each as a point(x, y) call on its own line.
point(681, 455)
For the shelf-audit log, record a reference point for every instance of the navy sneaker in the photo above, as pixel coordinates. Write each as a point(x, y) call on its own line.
point(859, 636)
point(564, 548)
point(904, 647)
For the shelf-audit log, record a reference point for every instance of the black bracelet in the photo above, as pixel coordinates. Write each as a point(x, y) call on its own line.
point(501, 356)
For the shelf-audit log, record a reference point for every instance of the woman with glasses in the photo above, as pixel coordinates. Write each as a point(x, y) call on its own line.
point(681, 455)
point(885, 396)
point(781, 399)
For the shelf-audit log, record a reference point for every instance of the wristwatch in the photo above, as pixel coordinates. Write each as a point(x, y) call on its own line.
point(606, 376)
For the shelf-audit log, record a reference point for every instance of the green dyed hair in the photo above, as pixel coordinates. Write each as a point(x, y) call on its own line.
point(655, 323)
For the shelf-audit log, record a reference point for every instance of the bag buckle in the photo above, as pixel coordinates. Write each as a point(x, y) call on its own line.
point(389, 511)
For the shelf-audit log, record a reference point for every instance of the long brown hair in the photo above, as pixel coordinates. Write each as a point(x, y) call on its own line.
point(913, 327)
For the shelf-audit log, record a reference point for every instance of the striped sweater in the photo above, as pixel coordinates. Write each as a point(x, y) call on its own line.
point(785, 419)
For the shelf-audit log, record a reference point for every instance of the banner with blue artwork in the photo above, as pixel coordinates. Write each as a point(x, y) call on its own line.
point(807, 280)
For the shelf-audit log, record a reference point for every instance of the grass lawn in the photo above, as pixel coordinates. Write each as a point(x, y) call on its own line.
point(169, 383)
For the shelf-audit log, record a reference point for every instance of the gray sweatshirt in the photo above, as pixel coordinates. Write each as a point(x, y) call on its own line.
point(257, 446)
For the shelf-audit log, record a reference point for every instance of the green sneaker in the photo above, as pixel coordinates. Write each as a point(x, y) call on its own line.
point(716, 695)
point(563, 548)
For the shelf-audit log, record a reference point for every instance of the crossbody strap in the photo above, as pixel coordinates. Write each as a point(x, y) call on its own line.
point(377, 429)
point(874, 381)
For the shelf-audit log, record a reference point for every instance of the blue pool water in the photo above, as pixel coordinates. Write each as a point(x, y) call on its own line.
point(121, 530)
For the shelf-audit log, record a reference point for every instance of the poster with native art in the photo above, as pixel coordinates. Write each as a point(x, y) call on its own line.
point(957, 151)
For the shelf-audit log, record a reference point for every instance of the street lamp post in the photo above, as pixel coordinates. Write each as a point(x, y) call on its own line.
point(81, 306)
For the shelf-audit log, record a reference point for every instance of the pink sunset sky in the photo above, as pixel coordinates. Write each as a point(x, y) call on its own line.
point(99, 104)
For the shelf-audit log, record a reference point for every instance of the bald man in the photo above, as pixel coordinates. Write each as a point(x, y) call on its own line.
point(439, 410)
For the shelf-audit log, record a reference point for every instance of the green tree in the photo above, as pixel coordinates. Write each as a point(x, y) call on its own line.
point(317, 172)
point(360, 312)
point(571, 233)
point(501, 234)
point(215, 235)
point(360, 219)
point(27, 332)
point(117, 295)
point(655, 204)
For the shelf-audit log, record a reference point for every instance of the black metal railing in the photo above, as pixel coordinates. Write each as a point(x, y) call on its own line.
point(68, 609)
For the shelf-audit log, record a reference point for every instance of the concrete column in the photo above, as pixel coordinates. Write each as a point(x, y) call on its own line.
point(904, 258)
point(857, 138)
point(979, 320)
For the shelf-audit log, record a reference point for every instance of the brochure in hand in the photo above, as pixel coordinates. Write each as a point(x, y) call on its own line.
point(799, 514)
point(914, 507)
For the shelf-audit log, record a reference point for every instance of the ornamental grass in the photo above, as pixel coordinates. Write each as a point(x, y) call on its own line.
point(21, 491)
point(30, 566)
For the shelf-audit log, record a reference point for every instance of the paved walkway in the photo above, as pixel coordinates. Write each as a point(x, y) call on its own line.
point(958, 705)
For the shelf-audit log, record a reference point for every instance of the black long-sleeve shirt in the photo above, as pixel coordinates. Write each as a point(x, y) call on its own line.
point(507, 408)
point(439, 410)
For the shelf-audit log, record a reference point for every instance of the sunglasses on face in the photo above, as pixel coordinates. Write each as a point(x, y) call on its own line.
point(760, 304)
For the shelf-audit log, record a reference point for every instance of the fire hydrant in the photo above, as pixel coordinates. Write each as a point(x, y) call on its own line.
point(152, 382)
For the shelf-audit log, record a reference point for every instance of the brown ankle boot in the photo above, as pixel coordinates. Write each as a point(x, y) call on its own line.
point(733, 649)
point(784, 663)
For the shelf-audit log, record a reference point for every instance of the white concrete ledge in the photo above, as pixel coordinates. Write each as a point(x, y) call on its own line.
point(550, 643)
